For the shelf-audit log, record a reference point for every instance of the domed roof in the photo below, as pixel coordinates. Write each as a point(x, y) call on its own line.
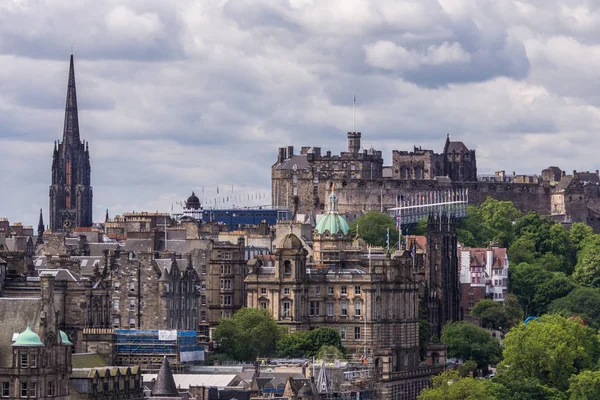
point(333, 223)
point(64, 338)
point(28, 338)
point(193, 201)
point(290, 241)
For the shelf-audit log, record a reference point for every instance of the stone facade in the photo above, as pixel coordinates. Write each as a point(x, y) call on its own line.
point(71, 191)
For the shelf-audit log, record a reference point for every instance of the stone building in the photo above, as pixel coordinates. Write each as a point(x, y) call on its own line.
point(71, 191)
point(483, 275)
point(369, 296)
point(34, 365)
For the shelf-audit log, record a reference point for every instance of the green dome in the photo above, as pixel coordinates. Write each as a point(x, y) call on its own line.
point(28, 338)
point(64, 338)
point(334, 223)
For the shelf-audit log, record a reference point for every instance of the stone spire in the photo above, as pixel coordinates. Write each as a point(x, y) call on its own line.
point(40, 236)
point(106, 216)
point(164, 386)
point(71, 129)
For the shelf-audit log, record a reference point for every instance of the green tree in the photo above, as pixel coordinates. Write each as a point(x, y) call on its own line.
point(583, 302)
point(555, 287)
point(513, 310)
point(329, 353)
point(578, 233)
point(469, 342)
point(450, 385)
point(373, 226)
point(587, 270)
point(309, 343)
point(523, 250)
point(499, 218)
point(585, 386)
point(548, 351)
point(491, 314)
point(523, 281)
point(471, 231)
point(250, 333)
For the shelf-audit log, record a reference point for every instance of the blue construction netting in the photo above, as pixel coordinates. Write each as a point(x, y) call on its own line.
point(146, 342)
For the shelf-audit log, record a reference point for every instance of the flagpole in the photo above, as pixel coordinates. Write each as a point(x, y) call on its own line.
point(353, 112)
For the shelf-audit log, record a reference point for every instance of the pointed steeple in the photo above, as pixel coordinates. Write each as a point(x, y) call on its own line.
point(106, 216)
point(164, 386)
point(40, 236)
point(71, 129)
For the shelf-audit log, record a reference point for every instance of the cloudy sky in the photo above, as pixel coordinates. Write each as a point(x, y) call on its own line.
point(176, 96)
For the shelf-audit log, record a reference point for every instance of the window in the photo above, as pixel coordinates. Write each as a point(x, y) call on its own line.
point(203, 269)
point(225, 284)
point(225, 269)
point(116, 322)
point(314, 308)
point(471, 306)
point(263, 305)
point(330, 308)
point(132, 284)
point(286, 291)
point(116, 285)
point(286, 309)
point(318, 290)
point(116, 305)
point(344, 308)
point(344, 290)
point(203, 300)
point(357, 308)
point(50, 389)
point(28, 389)
point(5, 389)
point(131, 304)
point(330, 290)
point(287, 267)
point(343, 333)
point(226, 300)
point(263, 291)
point(203, 285)
point(132, 322)
point(24, 360)
point(470, 292)
point(33, 361)
point(357, 333)
point(357, 290)
point(203, 316)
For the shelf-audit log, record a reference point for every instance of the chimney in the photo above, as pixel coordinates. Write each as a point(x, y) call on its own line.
point(290, 151)
point(562, 174)
point(281, 156)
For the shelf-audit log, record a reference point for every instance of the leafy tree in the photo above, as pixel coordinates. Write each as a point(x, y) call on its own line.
point(420, 228)
point(250, 333)
point(587, 270)
point(451, 386)
point(555, 287)
point(491, 314)
point(309, 343)
point(583, 302)
point(585, 386)
point(499, 218)
point(578, 233)
point(329, 353)
point(472, 231)
point(513, 310)
point(469, 342)
point(373, 227)
point(523, 281)
point(467, 367)
point(548, 351)
point(523, 250)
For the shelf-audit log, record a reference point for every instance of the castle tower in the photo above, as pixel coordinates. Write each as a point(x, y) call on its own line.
point(70, 192)
point(40, 231)
point(353, 142)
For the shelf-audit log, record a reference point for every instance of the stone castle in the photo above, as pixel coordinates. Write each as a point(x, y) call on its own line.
point(302, 181)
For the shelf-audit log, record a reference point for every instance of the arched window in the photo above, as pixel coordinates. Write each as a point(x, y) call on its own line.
point(287, 267)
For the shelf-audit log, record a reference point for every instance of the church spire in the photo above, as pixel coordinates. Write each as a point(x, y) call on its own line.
point(71, 129)
point(40, 237)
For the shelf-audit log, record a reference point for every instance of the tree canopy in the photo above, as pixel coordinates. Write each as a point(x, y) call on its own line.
point(249, 334)
point(373, 226)
point(450, 385)
point(309, 343)
point(548, 351)
point(470, 342)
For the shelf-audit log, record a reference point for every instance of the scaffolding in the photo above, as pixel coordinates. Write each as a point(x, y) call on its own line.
point(147, 348)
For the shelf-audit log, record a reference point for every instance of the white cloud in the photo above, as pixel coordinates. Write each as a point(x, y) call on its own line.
point(174, 97)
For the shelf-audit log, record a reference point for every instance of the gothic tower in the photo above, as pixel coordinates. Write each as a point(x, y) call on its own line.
point(70, 192)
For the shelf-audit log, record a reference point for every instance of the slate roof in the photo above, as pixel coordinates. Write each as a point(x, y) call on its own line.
point(139, 245)
point(184, 381)
point(564, 183)
point(299, 160)
point(86, 263)
point(457, 147)
point(96, 249)
point(16, 313)
point(165, 383)
point(87, 360)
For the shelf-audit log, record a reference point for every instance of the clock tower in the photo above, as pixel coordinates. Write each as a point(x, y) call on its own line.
point(70, 192)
